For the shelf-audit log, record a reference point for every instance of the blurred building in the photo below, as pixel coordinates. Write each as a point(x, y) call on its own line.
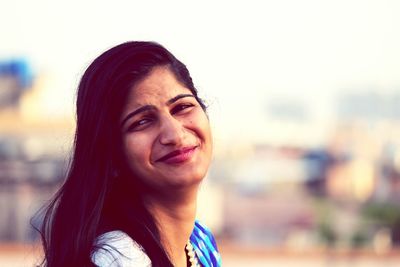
point(296, 192)
point(32, 158)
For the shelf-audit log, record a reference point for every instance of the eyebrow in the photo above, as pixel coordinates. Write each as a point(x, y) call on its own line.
point(176, 98)
point(152, 107)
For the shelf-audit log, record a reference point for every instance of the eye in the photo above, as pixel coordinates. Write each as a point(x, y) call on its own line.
point(181, 108)
point(140, 124)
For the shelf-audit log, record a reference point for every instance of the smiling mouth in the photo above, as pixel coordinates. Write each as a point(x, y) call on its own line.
point(178, 156)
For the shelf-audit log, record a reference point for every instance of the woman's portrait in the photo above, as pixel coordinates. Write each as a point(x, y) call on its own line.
point(143, 145)
point(200, 133)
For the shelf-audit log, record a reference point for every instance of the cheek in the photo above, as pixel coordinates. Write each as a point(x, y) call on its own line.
point(202, 125)
point(136, 150)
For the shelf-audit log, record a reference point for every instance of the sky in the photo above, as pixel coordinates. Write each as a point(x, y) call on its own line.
point(242, 54)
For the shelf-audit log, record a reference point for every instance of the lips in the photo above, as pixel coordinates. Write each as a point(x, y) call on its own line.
point(178, 156)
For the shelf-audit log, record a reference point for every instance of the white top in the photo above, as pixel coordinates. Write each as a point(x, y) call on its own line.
point(117, 249)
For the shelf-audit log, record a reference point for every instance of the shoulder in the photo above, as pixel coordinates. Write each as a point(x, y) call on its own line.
point(117, 249)
point(204, 245)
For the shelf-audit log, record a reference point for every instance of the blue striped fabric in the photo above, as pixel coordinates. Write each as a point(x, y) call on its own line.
point(204, 246)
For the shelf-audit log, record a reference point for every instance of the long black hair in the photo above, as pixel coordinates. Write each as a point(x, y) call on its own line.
point(97, 196)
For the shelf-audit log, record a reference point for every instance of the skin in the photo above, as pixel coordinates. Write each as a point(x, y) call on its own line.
point(161, 117)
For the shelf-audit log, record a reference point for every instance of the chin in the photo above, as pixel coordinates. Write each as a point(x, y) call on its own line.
point(184, 181)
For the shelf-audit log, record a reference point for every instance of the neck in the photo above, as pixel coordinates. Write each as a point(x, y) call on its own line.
point(174, 213)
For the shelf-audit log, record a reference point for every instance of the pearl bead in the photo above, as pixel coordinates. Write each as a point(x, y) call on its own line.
point(192, 255)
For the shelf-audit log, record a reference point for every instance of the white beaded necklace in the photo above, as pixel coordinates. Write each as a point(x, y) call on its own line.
point(192, 255)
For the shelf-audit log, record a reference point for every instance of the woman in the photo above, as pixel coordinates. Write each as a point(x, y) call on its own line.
point(142, 147)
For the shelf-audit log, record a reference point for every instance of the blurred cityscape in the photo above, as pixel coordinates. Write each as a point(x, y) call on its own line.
point(293, 197)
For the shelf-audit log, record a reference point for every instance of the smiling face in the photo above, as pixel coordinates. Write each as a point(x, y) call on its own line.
point(166, 137)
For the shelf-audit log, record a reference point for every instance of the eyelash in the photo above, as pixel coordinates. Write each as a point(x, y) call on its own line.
point(181, 107)
point(178, 108)
point(138, 123)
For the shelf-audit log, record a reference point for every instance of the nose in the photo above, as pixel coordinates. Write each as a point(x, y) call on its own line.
point(171, 131)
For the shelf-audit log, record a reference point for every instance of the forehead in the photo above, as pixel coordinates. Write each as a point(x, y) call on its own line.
point(157, 87)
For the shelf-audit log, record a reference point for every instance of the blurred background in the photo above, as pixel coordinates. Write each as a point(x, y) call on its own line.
point(304, 101)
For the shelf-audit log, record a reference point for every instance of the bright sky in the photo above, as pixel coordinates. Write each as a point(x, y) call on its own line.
point(241, 54)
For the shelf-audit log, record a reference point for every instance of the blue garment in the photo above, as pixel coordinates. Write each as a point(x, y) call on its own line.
point(204, 246)
point(125, 252)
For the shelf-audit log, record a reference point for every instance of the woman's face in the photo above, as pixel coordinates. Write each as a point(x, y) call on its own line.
point(166, 137)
